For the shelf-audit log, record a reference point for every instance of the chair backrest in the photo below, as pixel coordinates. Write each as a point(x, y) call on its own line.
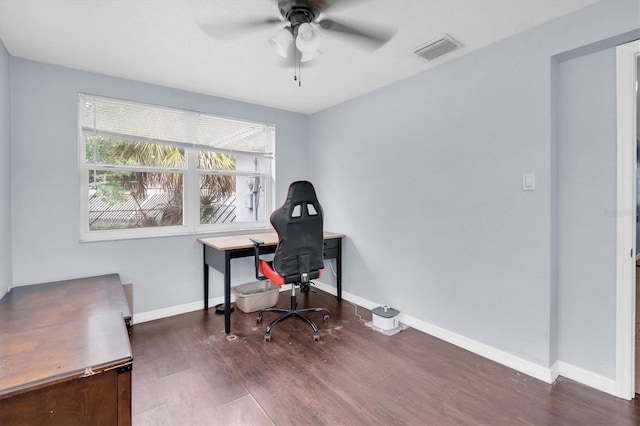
point(299, 225)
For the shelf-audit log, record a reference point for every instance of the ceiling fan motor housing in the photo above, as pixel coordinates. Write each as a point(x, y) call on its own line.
point(298, 12)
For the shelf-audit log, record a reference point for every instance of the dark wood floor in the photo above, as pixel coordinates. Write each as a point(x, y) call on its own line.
point(187, 372)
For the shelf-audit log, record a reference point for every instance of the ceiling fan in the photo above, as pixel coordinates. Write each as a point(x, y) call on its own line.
point(303, 19)
point(303, 28)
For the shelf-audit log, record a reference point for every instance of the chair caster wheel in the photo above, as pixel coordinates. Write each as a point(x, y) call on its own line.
point(258, 319)
point(267, 337)
point(316, 337)
point(326, 317)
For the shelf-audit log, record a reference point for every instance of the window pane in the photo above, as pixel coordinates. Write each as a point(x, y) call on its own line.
point(225, 199)
point(122, 200)
point(114, 151)
point(208, 160)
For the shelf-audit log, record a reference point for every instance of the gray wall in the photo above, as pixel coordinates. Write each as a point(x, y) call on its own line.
point(165, 271)
point(586, 205)
point(424, 176)
point(5, 174)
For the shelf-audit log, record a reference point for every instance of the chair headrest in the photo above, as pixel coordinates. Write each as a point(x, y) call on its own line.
point(301, 191)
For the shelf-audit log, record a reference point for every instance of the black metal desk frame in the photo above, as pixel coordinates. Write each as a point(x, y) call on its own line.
point(220, 260)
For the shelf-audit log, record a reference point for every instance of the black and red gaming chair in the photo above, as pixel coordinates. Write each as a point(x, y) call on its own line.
point(299, 255)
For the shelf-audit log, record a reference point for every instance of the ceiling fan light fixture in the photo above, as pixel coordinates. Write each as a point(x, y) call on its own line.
point(309, 56)
point(308, 40)
point(281, 41)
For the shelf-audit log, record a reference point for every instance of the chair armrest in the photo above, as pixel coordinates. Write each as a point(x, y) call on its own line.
point(256, 253)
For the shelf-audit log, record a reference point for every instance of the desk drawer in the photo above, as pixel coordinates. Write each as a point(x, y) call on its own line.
point(330, 254)
point(332, 243)
point(330, 250)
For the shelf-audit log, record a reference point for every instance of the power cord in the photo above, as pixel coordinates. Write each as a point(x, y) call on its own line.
point(355, 311)
point(333, 271)
point(355, 307)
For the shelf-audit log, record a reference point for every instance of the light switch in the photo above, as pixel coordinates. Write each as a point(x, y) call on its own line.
point(528, 181)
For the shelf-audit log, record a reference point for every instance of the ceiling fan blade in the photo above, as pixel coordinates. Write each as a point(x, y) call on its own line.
point(372, 38)
point(339, 5)
point(223, 30)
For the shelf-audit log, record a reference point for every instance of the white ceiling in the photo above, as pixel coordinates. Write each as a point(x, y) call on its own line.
point(169, 43)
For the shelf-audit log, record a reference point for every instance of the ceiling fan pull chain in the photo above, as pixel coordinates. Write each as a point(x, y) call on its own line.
point(297, 70)
point(295, 66)
point(298, 61)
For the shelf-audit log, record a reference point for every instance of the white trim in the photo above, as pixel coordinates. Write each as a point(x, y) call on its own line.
point(585, 377)
point(350, 297)
point(545, 374)
point(555, 371)
point(527, 367)
point(625, 219)
point(195, 306)
point(185, 308)
point(173, 310)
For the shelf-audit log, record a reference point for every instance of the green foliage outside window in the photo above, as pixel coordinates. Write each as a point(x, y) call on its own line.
point(115, 186)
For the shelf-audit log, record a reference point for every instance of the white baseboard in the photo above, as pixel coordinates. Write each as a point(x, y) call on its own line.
point(183, 309)
point(174, 310)
point(486, 351)
point(585, 377)
point(527, 367)
point(545, 374)
point(367, 304)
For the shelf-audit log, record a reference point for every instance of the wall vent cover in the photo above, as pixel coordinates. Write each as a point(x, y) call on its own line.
point(438, 47)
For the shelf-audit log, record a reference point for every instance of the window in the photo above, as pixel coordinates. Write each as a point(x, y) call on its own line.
point(149, 171)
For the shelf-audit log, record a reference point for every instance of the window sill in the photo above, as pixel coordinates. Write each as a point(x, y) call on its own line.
point(122, 235)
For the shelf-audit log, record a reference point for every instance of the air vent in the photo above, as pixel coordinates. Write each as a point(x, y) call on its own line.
point(438, 47)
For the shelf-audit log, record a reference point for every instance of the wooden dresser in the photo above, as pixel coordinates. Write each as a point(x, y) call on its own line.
point(65, 356)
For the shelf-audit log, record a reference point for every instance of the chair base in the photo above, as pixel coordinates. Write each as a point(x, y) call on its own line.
point(292, 313)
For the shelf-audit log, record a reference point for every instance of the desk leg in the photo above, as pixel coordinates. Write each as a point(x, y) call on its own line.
point(339, 270)
point(227, 292)
point(206, 278)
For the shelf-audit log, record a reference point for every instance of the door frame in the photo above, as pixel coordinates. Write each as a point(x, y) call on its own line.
point(626, 88)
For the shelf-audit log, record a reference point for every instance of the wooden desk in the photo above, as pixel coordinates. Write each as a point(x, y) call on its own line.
point(218, 252)
point(39, 305)
point(65, 356)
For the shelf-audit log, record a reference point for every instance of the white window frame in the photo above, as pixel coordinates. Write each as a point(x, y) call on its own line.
point(191, 178)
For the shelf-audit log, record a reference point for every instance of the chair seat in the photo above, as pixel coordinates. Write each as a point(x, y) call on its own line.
point(277, 279)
